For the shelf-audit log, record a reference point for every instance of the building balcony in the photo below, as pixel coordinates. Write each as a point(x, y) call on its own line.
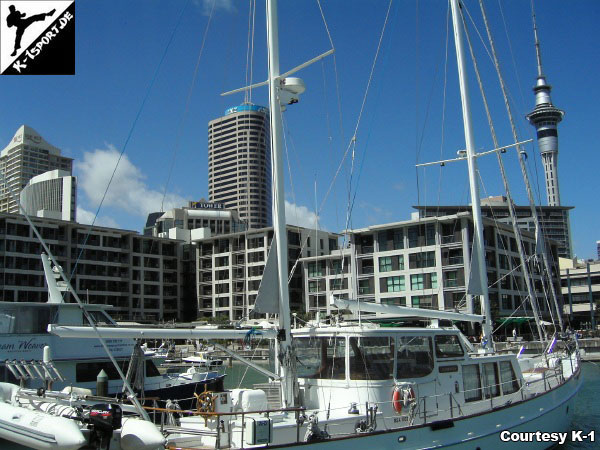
point(367, 270)
point(451, 239)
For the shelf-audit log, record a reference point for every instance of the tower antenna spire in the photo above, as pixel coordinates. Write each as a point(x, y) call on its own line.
point(538, 52)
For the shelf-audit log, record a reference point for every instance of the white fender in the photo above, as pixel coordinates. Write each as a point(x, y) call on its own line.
point(39, 430)
point(137, 434)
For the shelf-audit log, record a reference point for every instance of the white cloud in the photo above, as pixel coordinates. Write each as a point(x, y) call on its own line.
point(128, 191)
point(206, 6)
point(87, 217)
point(300, 215)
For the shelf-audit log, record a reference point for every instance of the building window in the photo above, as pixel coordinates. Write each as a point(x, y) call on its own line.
point(397, 301)
point(421, 260)
point(395, 284)
point(423, 281)
point(424, 301)
point(385, 264)
point(364, 287)
point(313, 286)
point(315, 269)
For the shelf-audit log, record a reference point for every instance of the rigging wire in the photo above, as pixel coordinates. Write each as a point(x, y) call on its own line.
point(130, 133)
point(187, 108)
point(522, 164)
point(511, 208)
point(352, 143)
point(518, 78)
point(370, 127)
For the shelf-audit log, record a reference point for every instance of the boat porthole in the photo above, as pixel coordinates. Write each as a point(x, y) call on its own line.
point(402, 439)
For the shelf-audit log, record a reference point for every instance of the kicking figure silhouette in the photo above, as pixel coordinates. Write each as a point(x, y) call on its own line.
point(17, 19)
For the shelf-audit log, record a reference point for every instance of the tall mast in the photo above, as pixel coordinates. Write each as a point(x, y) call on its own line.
point(478, 245)
point(286, 356)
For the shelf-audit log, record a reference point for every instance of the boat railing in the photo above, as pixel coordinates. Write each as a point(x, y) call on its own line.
point(423, 410)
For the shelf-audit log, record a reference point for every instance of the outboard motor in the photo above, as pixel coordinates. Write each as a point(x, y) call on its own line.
point(104, 418)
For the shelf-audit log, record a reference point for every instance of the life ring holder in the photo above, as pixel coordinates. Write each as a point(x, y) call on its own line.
point(403, 395)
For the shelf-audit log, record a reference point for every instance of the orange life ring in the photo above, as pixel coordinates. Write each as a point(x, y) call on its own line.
point(400, 398)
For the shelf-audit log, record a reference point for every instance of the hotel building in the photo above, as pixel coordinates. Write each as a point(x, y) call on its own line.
point(239, 163)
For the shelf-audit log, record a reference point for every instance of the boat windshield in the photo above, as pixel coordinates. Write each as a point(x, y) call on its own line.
point(371, 358)
point(99, 318)
point(322, 357)
point(415, 356)
point(448, 346)
point(26, 319)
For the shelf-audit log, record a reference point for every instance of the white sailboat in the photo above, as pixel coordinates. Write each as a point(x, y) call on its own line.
point(345, 385)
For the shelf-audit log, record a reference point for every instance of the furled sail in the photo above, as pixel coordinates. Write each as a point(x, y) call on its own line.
point(267, 300)
point(474, 285)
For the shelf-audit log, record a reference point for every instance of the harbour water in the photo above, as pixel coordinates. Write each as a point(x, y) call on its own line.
point(586, 416)
point(587, 410)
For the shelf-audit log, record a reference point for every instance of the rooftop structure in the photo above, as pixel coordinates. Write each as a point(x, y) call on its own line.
point(52, 194)
point(27, 155)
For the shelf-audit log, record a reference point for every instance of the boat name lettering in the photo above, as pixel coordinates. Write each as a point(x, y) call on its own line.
point(31, 344)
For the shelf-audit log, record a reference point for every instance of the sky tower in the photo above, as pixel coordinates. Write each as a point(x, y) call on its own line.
point(545, 118)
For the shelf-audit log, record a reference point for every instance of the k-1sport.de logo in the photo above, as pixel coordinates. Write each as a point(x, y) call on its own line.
point(37, 37)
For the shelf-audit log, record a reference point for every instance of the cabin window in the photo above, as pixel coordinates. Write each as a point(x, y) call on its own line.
point(490, 380)
point(321, 358)
point(99, 318)
point(371, 358)
point(89, 371)
point(510, 383)
point(448, 346)
point(151, 369)
point(471, 382)
point(415, 357)
point(26, 320)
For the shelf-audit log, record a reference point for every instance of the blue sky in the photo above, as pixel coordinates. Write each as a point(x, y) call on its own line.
point(120, 44)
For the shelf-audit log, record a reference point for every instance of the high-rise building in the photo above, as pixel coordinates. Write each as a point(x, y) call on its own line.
point(27, 155)
point(545, 117)
point(52, 194)
point(239, 163)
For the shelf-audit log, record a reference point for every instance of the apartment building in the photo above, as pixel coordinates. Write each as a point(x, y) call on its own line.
point(423, 263)
point(554, 220)
point(580, 285)
point(230, 268)
point(143, 277)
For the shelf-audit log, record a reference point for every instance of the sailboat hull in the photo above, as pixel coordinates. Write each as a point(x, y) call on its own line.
point(548, 412)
